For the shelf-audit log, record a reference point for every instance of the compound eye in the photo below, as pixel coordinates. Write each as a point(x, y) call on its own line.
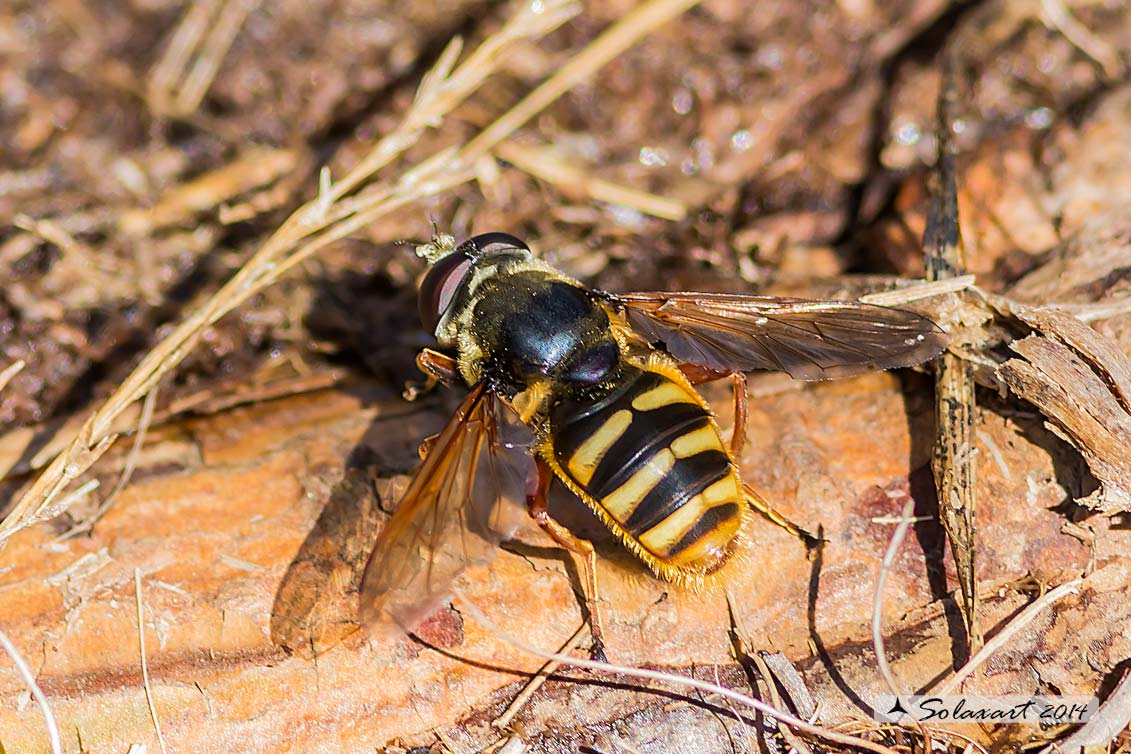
point(439, 288)
point(491, 243)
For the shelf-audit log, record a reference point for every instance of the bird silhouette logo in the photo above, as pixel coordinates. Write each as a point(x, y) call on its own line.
point(897, 708)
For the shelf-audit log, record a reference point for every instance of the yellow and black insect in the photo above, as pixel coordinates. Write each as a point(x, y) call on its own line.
point(601, 386)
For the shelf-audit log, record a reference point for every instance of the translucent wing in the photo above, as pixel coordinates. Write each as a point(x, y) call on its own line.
point(454, 513)
point(809, 339)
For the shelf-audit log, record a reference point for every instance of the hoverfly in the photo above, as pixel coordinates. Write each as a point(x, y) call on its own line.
point(602, 385)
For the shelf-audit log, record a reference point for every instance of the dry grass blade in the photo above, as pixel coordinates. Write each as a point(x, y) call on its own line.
point(130, 465)
point(919, 291)
point(17, 446)
point(145, 662)
point(178, 82)
point(544, 163)
point(333, 216)
point(1098, 311)
point(954, 461)
point(1024, 618)
point(178, 50)
point(443, 88)
point(251, 169)
point(216, 46)
point(313, 226)
point(11, 371)
point(87, 266)
point(613, 41)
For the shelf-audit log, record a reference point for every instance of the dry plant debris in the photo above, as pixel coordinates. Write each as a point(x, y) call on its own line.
point(955, 461)
point(168, 223)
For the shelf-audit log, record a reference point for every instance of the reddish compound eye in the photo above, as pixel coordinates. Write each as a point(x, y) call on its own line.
point(486, 244)
point(438, 291)
point(439, 288)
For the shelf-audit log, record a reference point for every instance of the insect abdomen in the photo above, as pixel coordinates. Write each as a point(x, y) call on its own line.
point(650, 458)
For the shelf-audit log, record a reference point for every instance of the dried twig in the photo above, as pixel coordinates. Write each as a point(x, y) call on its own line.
point(36, 692)
point(653, 675)
point(775, 698)
point(954, 460)
point(1055, 15)
point(878, 601)
point(1024, 618)
point(535, 683)
point(1111, 718)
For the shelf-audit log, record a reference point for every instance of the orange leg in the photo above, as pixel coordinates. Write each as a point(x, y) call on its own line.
point(697, 375)
point(759, 503)
point(437, 367)
point(741, 411)
point(536, 505)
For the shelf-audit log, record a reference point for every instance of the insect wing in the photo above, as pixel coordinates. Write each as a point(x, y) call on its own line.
point(807, 338)
point(456, 510)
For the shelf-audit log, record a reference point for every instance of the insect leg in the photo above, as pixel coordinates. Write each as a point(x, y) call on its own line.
point(536, 505)
point(738, 434)
point(437, 367)
point(697, 375)
point(759, 503)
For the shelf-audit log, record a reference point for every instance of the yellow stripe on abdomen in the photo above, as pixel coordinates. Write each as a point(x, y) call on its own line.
point(589, 453)
point(664, 394)
point(623, 500)
point(699, 534)
point(647, 455)
point(697, 441)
